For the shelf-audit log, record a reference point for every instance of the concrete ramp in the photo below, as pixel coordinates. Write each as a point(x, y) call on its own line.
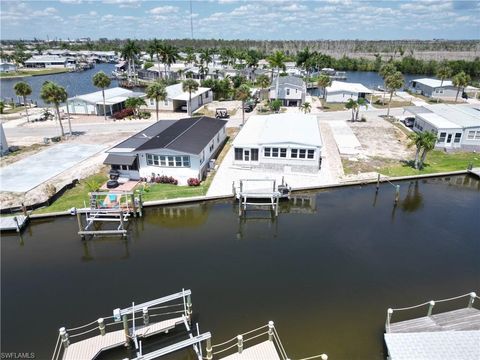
point(346, 140)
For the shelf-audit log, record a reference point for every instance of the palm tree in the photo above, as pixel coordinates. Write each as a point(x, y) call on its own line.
point(156, 47)
point(23, 89)
point(385, 71)
point(205, 58)
point(306, 107)
point(323, 82)
point(429, 141)
point(243, 94)
point(277, 62)
point(263, 82)
point(190, 57)
point(443, 73)
point(393, 82)
point(102, 81)
point(129, 52)
point(416, 138)
point(54, 94)
point(135, 103)
point(189, 85)
point(170, 55)
point(460, 80)
point(360, 102)
point(424, 142)
point(352, 105)
point(157, 92)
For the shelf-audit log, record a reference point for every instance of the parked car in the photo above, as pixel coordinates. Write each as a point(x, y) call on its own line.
point(409, 121)
point(221, 113)
point(249, 105)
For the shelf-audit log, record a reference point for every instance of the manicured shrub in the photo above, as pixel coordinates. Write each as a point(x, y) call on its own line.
point(193, 182)
point(123, 113)
point(163, 179)
point(144, 115)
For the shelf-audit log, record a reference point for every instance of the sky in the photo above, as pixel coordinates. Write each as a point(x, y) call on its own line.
point(241, 19)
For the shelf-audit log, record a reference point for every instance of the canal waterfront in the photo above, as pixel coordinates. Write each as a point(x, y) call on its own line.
point(325, 271)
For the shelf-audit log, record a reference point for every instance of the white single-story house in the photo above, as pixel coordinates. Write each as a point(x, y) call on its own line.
point(3, 141)
point(92, 104)
point(291, 90)
point(6, 67)
point(178, 148)
point(50, 61)
point(283, 142)
point(340, 92)
point(157, 71)
point(433, 88)
point(177, 99)
point(456, 126)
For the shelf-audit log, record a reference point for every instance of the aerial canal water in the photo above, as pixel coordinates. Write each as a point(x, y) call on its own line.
point(325, 271)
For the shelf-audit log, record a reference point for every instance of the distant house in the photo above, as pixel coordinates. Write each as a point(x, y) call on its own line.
point(174, 72)
point(50, 61)
point(177, 99)
point(6, 67)
point(282, 142)
point(340, 92)
point(456, 126)
point(291, 90)
point(92, 104)
point(433, 88)
point(178, 148)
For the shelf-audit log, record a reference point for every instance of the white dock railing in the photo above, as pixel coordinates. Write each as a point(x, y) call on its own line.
point(430, 304)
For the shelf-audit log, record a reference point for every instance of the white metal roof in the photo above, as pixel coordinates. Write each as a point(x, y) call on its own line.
point(280, 129)
point(348, 87)
point(45, 59)
point(463, 116)
point(175, 92)
point(110, 95)
point(438, 121)
point(434, 83)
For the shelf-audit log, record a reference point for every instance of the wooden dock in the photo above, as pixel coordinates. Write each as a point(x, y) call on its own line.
point(13, 223)
point(262, 351)
point(448, 335)
point(475, 172)
point(91, 347)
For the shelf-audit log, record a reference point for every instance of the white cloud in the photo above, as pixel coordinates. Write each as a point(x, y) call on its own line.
point(124, 3)
point(71, 1)
point(162, 10)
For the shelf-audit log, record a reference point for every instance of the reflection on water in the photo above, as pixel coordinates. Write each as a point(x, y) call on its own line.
point(324, 270)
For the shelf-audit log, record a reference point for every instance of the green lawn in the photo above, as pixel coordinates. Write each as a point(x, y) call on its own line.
point(14, 110)
point(326, 106)
point(169, 191)
point(378, 103)
point(24, 73)
point(437, 161)
point(74, 197)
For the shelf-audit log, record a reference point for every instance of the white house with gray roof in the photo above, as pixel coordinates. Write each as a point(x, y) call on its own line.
point(433, 88)
point(341, 92)
point(291, 90)
point(49, 61)
point(92, 104)
point(177, 99)
point(285, 142)
point(456, 126)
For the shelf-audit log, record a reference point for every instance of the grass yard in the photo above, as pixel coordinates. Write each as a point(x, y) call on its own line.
point(14, 110)
point(378, 103)
point(24, 73)
point(74, 197)
point(435, 101)
point(332, 106)
point(169, 191)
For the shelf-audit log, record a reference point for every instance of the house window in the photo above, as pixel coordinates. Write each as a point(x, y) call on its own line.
point(212, 145)
point(254, 154)
point(283, 152)
point(477, 135)
point(218, 137)
point(206, 94)
point(458, 136)
point(115, 167)
point(165, 161)
point(288, 91)
point(267, 152)
point(294, 153)
point(274, 152)
point(310, 154)
point(165, 102)
point(238, 154)
point(442, 137)
point(302, 153)
point(471, 135)
point(202, 157)
point(152, 102)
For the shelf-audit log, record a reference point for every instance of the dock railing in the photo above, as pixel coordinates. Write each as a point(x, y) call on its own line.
point(149, 314)
point(472, 296)
point(253, 337)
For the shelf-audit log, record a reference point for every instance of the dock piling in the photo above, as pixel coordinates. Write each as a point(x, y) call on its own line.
point(472, 299)
point(397, 193)
point(146, 317)
point(378, 182)
point(189, 308)
point(64, 337)
point(101, 326)
point(209, 349)
point(240, 343)
point(270, 330)
point(17, 226)
point(125, 328)
point(430, 308)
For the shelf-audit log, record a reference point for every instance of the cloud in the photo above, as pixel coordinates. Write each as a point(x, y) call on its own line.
point(162, 10)
point(124, 3)
point(71, 1)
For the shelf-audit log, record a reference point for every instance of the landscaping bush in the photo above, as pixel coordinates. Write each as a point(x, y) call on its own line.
point(56, 139)
point(193, 182)
point(144, 115)
point(122, 114)
point(163, 179)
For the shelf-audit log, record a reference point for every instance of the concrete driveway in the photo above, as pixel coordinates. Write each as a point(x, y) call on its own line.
point(32, 171)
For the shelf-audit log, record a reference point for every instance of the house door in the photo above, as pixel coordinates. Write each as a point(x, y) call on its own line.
point(246, 155)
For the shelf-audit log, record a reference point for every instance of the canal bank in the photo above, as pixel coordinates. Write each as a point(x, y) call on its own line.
point(324, 271)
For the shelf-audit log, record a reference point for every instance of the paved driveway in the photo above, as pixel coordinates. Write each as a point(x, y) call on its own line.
point(30, 172)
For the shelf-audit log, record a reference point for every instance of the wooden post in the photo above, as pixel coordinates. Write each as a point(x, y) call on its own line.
point(24, 209)
point(16, 224)
point(471, 300)
point(378, 181)
point(101, 326)
point(278, 204)
point(397, 193)
point(125, 328)
point(189, 308)
point(430, 308)
point(274, 182)
point(79, 222)
point(134, 205)
point(140, 204)
point(233, 188)
point(240, 343)
point(121, 220)
point(146, 318)
point(239, 205)
point(209, 349)
point(389, 317)
point(270, 330)
point(64, 337)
